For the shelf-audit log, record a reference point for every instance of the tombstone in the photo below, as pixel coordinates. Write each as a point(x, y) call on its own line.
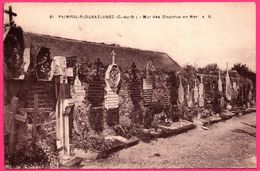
point(173, 88)
point(189, 97)
point(196, 92)
point(96, 98)
point(228, 91)
point(165, 99)
point(201, 92)
point(147, 85)
point(220, 88)
point(180, 92)
point(135, 87)
point(112, 79)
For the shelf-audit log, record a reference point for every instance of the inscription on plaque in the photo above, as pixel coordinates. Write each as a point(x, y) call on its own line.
point(165, 100)
point(96, 98)
point(111, 100)
point(96, 91)
point(147, 96)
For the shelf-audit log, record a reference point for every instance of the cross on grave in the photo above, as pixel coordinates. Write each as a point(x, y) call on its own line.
point(113, 57)
point(11, 14)
point(134, 70)
point(99, 64)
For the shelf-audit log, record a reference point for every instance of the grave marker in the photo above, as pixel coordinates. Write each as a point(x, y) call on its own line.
point(135, 87)
point(112, 79)
point(147, 85)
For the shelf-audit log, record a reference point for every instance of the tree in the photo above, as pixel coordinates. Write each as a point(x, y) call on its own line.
point(244, 71)
point(210, 68)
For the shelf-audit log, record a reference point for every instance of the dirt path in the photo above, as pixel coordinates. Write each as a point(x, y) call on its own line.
point(229, 144)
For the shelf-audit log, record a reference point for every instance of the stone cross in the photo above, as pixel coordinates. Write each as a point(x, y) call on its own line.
point(113, 57)
point(11, 14)
point(98, 63)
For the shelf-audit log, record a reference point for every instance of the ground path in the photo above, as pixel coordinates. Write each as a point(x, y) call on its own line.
point(229, 144)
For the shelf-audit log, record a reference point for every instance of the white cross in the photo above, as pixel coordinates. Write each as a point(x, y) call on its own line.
point(113, 57)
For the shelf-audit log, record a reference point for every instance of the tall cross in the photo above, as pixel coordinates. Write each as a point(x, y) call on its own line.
point(98, 63)
point(11, 14)
point(113, 57)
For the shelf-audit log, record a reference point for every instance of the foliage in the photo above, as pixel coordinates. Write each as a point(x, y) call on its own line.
point(244, 71)
point(210, 68)
point(41, 155)
point(91, 142)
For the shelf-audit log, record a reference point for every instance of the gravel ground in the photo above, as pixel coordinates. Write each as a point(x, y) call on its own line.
point(229, 144)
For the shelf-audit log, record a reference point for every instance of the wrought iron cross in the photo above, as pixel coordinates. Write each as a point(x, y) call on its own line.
point(11, 14)
point(113, 57)
point(98, 63)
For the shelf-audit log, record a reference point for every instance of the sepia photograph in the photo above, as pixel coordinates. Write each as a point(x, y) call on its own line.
point(129, 85)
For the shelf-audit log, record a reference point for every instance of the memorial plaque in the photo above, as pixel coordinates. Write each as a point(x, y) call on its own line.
point(112, 117)
point(135, 87)
point(147, 96)
point(96, 91)
point(135, 91)
point(111, 100)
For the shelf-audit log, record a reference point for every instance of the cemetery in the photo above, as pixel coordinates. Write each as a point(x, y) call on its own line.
point(62, 96)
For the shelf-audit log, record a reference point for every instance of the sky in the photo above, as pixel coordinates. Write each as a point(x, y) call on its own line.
point(226, 34)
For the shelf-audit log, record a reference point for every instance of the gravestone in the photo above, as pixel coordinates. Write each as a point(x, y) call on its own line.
point(136, 113)
point(112, 79)
point(96, 98)
point(196, 92)
point(189, 97)
point(135, 87)
point(180, 92)
point(201, 92)
point(220, 88)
